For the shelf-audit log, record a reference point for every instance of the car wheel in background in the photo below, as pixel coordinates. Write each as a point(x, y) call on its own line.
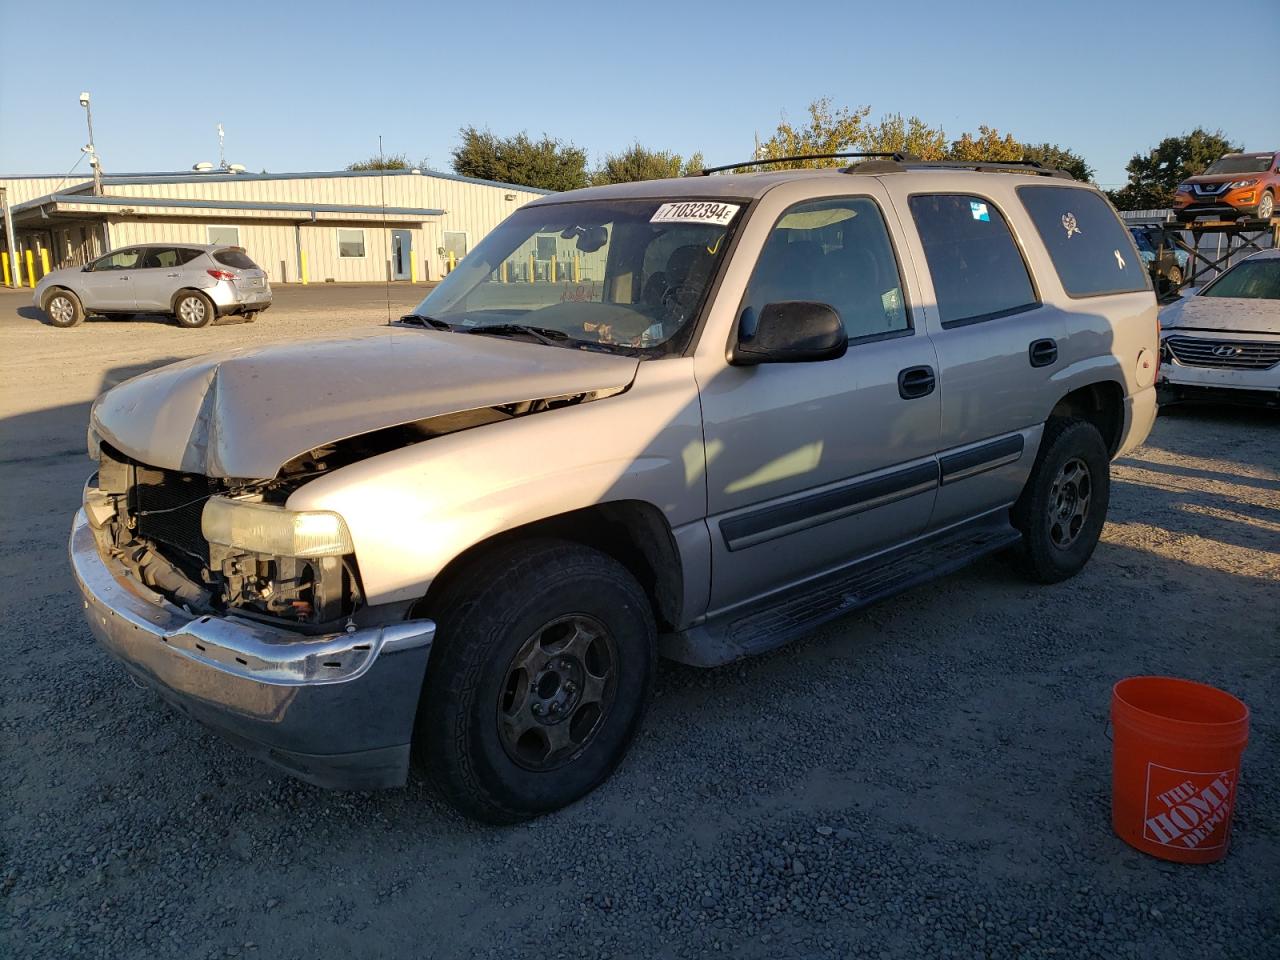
point(192, 309)
point(1266, 206)
point(1174, 279)
point(543, 666)
point(63, 308)
point(1064, 504)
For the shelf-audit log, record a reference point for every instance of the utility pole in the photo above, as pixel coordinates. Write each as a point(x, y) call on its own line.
point(9, 239)
point(91, 149)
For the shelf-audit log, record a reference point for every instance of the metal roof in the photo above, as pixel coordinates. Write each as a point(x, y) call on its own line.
point(191, 176)
point(69, 197)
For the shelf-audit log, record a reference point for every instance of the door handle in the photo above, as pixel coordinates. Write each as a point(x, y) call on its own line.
point(915, 382)
point(170, 274)
point(1043, 353)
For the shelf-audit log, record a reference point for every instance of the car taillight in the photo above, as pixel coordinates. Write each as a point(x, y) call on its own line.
point(221, 274)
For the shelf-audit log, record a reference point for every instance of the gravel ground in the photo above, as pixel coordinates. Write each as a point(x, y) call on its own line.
point(926, 778)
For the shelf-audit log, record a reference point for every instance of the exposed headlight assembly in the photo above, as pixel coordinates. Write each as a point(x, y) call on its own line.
point(274, 531)
point(1237, 184)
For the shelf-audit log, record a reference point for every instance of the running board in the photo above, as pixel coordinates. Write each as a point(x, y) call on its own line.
point(782, 619)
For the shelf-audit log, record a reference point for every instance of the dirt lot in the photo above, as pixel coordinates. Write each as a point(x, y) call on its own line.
point(927, 778)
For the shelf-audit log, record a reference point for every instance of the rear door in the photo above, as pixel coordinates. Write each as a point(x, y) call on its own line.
point(812, 465)
point(155, 283)
point(109, 285)
point(998, 348)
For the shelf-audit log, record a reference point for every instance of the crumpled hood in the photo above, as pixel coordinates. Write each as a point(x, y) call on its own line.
point(1235, 314)
point(245, 413)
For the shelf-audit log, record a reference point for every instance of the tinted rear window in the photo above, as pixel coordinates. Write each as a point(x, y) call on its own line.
point(1089, 246)
point(978, 272)
point(235, 258)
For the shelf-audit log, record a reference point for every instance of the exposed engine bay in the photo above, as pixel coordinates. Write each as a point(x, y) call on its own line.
point(150, 520)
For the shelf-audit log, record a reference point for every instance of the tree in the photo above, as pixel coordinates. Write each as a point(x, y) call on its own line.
point(987, 146)
point(893, 134)
point(1052, 155)
point(390, 161)
point(828, 131)
point(547, 163)
point(1155, 175)
point(639, 163)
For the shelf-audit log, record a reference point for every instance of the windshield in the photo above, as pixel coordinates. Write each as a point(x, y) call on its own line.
point(1240, 165)
point(626, 276)
point(1251, 279)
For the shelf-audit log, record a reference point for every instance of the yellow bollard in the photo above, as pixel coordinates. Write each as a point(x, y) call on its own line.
point(413, 266)
point(4, 260)
point(44, 262)
point(304, 268)
point(502, 272)
point(577, 269)
point(453, 261)
point(531, 268)
point(553, 268)
point(31, 269)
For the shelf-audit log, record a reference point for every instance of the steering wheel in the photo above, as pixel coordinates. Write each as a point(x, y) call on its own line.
point(679, 298)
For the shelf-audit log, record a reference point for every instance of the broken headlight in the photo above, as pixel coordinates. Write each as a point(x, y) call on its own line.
point(274, 531)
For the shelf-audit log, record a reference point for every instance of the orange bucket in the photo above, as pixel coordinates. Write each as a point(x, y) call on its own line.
point(1175, 765)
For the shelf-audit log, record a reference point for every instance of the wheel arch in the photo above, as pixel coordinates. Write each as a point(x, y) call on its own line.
point(183, 291)
point(1100, 403)
point(633, 532)
point(58, 288)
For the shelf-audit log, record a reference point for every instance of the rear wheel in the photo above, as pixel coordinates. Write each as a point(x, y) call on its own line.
point(1064, 504)
point(541, 673)
point(63, 308)
point(193, 309)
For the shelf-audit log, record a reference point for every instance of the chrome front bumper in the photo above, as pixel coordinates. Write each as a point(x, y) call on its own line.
point(335, 710)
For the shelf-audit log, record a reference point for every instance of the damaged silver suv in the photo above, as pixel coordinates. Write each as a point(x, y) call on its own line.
point(691, 418)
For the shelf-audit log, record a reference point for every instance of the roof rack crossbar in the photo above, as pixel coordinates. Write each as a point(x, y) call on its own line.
point(897, 156)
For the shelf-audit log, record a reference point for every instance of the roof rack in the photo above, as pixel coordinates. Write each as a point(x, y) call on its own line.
point(894, 156)
point(899, 164)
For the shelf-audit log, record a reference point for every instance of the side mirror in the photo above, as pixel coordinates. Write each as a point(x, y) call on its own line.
point(793, 331)
point(87, 268)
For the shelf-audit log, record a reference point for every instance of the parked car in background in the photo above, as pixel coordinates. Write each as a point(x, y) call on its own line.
point(1166, 263)
point(1238, 185)
point(777, 398)
point(1224, 342)
point(194, 283)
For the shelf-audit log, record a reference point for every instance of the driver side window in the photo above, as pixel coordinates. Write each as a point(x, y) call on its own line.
point(120, 260)
point(837, 252)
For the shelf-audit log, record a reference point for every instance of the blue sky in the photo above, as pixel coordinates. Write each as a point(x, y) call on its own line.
point(312, 86)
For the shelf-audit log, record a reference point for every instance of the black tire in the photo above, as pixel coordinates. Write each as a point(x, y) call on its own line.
point(192, 309)
point(63, 308)
point(1054, 546)
point(528, 597)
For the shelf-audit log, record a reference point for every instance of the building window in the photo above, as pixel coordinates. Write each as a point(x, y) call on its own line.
point(455, 244)
point(350, 244)
point(230, 236)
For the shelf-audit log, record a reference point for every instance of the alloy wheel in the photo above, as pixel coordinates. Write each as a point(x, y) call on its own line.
point(61, 310)
point(191, 310)
point(557, 692)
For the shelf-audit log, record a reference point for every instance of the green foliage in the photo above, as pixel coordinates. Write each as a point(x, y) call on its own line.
point(829, 130)
point(390, 161)
point(1155, 175)
point(913, 136)
point(547, 163)
point(987, 146)
point(639, 163)
point(1052, 155)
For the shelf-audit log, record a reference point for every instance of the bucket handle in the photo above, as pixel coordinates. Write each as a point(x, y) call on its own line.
point(1106, 727)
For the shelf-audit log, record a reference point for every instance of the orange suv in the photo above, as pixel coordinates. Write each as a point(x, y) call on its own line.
point(1238, 185)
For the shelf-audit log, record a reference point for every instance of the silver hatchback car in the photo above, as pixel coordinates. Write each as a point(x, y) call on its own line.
point(193, 282)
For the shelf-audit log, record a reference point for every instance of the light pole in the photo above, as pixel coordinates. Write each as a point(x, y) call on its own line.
point(92, 150)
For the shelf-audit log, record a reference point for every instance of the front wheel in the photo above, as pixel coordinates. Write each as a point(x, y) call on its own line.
point(1266, 206)
point(541, 673)
point(63, 309)
point(193, 310)
point(1064, 504)
point(1175, 279)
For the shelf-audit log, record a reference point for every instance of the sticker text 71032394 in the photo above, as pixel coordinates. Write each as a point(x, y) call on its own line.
point(695, 211)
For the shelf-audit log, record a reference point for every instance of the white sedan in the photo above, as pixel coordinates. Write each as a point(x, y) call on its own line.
point(1224, 342)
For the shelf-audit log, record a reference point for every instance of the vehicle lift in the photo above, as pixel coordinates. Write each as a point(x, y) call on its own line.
point(1243, 236)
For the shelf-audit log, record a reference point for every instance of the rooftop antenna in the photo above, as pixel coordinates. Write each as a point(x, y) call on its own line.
point(386, 232)
point(222, 153)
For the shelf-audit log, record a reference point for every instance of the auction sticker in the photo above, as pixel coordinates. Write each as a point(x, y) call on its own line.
point(696, 211)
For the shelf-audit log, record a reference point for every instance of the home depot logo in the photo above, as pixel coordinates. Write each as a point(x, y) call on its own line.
point(1188, 809)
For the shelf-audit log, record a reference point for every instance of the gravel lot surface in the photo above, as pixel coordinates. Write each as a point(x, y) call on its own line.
point(929, 778)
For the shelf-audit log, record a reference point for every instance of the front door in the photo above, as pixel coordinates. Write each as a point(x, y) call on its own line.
point(401, 254)
point(109, 286)
point(813, 465)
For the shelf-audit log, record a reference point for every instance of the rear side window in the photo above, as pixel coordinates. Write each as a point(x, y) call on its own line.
point(1089, 246)
point(978, 272)
point(235, 257)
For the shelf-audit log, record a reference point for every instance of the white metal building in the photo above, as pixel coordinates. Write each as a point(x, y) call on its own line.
point(300, 227)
